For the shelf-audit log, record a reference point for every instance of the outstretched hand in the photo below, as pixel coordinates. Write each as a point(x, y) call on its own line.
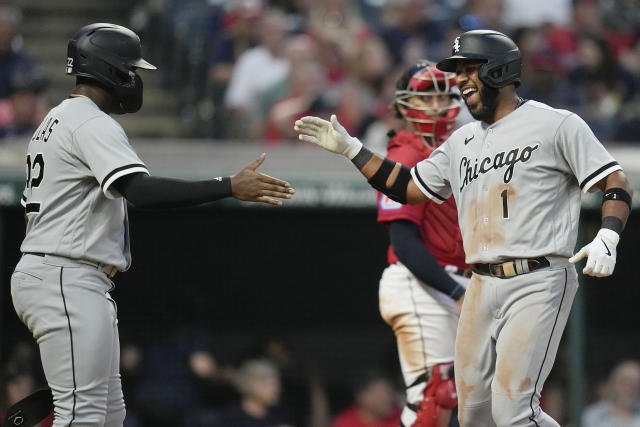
point(331, 136)
point(252, 186)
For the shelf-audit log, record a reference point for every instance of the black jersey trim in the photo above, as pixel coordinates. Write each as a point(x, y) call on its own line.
point(598, 172)
point(426, 187)
point(535, 387)
point(32, 207)
point(73, 364)
point(120, 169)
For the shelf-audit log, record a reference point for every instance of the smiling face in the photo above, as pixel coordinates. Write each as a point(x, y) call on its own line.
point(481, 99)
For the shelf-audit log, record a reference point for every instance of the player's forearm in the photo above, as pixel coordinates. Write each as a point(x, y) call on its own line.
point(616, 204)
point(145, 191)
point(406, 244)
point(389, 177)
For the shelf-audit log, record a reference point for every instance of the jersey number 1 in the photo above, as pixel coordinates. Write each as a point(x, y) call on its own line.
point(505, 206)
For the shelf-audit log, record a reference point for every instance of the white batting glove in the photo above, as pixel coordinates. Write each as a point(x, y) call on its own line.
point(331, 136)
point(601, 254)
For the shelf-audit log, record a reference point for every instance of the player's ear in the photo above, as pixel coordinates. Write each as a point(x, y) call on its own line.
point(400, 110)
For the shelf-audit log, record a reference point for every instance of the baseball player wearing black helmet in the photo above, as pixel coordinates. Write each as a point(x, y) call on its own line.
point(516, 175)
point(81, 171)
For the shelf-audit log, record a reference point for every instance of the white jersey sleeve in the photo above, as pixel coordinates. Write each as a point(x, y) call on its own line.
point(104, 147)
point(585, 155)
point(431, 174)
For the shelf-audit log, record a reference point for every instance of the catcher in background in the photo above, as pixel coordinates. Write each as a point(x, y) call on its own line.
point(427, 275)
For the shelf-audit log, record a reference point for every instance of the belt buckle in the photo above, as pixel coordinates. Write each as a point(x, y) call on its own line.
point(496, 270)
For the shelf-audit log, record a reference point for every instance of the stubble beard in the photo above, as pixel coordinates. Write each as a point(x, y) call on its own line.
point(489, 102)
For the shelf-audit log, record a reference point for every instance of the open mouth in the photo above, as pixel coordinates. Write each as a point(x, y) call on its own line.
point(470, 95)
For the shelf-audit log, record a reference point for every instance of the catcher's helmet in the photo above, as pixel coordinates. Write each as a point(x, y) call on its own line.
point(109, 54)
point(424, 79)
point(498, 51)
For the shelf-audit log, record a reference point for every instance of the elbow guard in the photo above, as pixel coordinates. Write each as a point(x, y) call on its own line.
point(398, 190)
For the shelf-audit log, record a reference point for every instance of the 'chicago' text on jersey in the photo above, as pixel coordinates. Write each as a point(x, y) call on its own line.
point(469, 169)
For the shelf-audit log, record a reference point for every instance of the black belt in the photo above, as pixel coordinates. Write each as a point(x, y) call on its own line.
point(513, 267)
point(109, 270)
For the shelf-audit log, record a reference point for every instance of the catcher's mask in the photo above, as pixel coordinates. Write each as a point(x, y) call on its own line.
point(109, 54)
point(432, 121)
point(501, 56)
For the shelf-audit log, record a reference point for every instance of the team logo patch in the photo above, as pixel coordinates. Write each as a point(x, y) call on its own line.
point(386, 204)
point(456, 45)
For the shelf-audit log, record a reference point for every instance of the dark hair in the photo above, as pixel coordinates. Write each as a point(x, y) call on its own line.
point(362, 380)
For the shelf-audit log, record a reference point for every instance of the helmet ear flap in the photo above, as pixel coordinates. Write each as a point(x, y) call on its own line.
point(506, 74)
point(130, 94)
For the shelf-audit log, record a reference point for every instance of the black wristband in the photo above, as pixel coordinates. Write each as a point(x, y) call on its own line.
point(612, 223)
point(361, 159)
point(617, 193)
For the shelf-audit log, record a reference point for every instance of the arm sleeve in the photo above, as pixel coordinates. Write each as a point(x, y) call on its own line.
point(584, 153)
point(431, 175)
point(389, 210)
point(405, 240)
point(145, 191)
point(104, 147)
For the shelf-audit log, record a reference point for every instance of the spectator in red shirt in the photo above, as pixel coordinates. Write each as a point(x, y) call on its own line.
point(375, 404)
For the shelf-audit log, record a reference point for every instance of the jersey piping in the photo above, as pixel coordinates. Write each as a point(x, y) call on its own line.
point(598, 175)
point(121, 171)
point(425, 188)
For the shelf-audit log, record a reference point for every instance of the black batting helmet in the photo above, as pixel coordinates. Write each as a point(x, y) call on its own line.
point(498, 52)
point(109, 54)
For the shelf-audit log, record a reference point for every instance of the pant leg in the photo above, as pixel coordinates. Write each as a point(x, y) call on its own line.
point(475, 353)
point(66, 309)
point(115, 400)
point(424, 326)
point(532, 319)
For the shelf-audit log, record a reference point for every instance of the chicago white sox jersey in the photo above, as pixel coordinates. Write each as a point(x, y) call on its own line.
point(517, 181)
point(72, 209)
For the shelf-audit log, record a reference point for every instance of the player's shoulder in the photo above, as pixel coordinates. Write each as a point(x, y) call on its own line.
point(556, 120)
point(542, 110)
point(406, 141)
point(81, 112)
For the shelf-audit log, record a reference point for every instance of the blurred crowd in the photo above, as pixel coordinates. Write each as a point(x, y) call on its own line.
point(247, 69)
point(184, 383)
point(22, 80)
point(179, 381)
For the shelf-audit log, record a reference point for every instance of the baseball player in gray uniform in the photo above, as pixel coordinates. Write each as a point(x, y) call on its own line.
point(81, 171)
point(516, 175)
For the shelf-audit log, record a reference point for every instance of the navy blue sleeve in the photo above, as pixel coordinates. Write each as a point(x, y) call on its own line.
point(406, 244)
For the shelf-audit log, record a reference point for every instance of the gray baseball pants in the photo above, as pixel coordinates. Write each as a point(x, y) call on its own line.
point(67, 307)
